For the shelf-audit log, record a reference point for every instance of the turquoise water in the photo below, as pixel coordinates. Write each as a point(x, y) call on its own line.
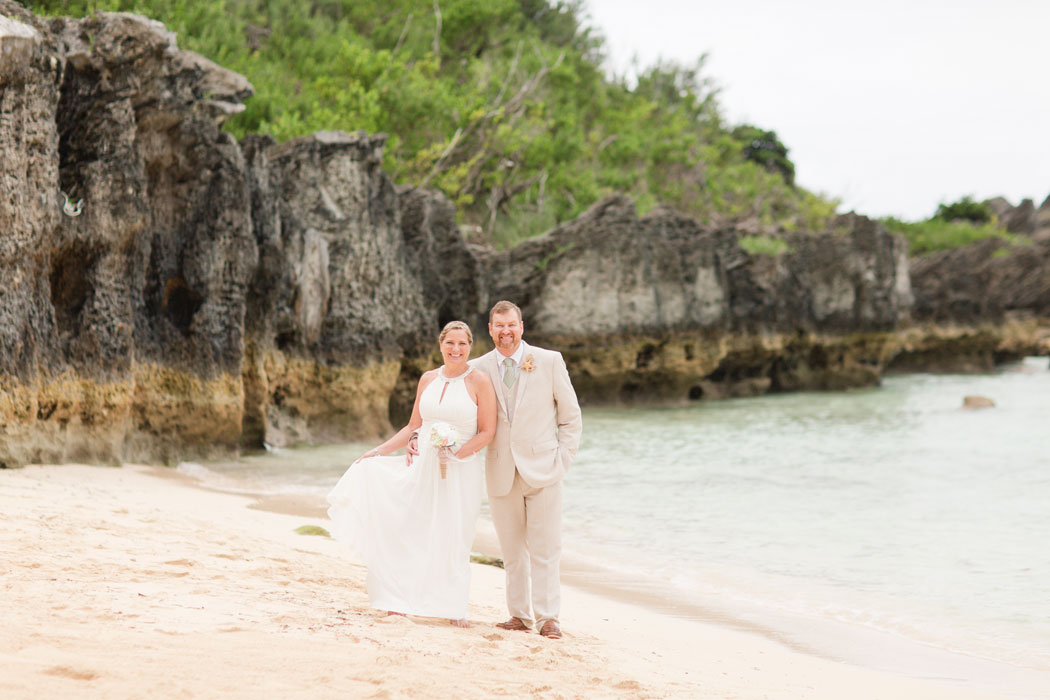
point(891, 509)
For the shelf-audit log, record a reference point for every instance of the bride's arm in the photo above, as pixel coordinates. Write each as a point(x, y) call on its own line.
point(401, 437)
point(485, 396)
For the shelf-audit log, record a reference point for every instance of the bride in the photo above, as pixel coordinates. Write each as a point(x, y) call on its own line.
point(413, 519)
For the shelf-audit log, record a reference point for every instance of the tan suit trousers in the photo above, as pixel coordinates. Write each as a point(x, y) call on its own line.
point(531, 548)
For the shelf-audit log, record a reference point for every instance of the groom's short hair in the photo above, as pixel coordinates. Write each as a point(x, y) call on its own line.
point(502, 307)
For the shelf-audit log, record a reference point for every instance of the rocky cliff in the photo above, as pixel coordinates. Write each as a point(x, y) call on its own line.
point(984, 303)
point(660, 307)
point(126, 253)
point(168, 291)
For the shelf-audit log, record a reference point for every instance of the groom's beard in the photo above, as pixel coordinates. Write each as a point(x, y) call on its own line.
point(508, 347)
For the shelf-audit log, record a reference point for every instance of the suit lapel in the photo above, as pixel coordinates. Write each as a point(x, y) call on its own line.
point(523, 376)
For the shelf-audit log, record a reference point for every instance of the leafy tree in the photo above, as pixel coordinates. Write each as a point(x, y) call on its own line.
point(503, 104)
point(763, 147)
point(966, 209)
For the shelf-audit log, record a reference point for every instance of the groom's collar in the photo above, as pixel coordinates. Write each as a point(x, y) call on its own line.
point(516, 356)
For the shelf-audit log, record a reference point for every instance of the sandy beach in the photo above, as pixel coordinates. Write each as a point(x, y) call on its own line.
point(132, 582)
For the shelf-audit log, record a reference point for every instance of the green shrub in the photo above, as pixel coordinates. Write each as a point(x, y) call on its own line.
point(964, 210)
point(763, 147)
point(938, 234)
point(764, 245)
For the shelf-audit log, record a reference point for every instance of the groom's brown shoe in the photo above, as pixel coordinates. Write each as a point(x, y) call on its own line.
point(551, 630)
point(515, 624)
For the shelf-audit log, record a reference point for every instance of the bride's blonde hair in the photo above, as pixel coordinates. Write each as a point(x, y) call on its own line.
point(455, 326)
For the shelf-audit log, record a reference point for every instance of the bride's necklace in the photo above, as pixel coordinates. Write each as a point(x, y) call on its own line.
point(449, 380)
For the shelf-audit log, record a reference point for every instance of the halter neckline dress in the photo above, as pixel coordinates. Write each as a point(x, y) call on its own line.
point(414, 529)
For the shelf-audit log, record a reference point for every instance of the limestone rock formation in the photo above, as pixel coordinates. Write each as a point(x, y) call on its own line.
point(1025, 218)
point(1042, 219)
point(984, 281)
point(168, 291)
point(978, 305)
point(984, 303)
point(130, 316)
point(661, 307)
point(337, 301)
point(193, 293)
point(448, 269)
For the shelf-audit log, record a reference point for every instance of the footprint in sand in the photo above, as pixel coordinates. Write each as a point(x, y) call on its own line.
point(169, 574)
point(67, 672)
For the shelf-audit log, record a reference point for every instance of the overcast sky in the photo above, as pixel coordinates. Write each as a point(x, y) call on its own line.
point(891, 106)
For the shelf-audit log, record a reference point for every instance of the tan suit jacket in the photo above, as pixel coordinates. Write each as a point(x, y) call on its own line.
point(544, 434)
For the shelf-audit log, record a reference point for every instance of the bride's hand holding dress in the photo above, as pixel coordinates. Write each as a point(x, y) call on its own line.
point(413, 527)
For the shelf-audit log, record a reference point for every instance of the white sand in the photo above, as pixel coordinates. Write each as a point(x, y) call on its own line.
point(121, 583)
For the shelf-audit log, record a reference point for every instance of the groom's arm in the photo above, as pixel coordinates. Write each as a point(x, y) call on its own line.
point(567, 406)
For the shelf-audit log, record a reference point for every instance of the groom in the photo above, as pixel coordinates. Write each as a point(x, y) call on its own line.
point(538, 430)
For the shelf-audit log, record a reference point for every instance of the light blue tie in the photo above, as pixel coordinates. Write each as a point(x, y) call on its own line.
point(508, 372)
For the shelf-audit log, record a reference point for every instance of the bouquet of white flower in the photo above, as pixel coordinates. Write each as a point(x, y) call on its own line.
point(443, 435)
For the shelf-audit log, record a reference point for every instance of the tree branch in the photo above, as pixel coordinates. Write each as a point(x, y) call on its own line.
point(441, 159)
point(437, 31)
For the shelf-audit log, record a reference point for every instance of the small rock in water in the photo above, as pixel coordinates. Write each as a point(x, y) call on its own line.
point(974, 401)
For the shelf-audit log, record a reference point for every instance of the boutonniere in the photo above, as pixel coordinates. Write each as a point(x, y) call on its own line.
point(527, 365)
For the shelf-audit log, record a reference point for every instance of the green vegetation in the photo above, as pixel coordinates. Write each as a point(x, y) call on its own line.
point(764, 245)
point(312, 530)
point(954, 225)
point(965, 210)
point(764, 148)
point(937, 234)
point(503, 104)
point(486, 560)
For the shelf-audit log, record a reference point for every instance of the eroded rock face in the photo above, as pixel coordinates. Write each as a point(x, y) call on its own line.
point(337, 301)
point(448, 270)
point(30, 203)
point(135, 228)
point(981, 304)
point(124, 322)
point(661, 307)
point(983, 282)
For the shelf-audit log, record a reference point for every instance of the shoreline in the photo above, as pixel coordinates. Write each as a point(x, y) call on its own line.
point(123, 583)
point(860, 646)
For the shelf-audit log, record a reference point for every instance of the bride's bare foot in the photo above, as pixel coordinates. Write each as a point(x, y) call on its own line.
point(460, 623)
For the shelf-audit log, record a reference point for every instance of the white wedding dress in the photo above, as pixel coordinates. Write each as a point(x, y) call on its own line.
point(413, 528)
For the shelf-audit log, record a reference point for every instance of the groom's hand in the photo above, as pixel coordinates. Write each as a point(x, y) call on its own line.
point(411, 449)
